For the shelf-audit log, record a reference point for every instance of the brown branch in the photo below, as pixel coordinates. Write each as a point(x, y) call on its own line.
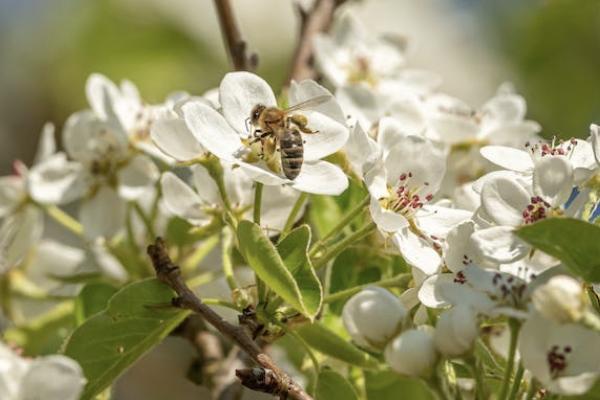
point(236, 46)
point(312, 22)
point(279, 383)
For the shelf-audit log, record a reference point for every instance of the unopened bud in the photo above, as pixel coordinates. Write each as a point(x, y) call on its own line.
point(413, 352)
point(456, 331)
point(560, 299)
point(373, 316)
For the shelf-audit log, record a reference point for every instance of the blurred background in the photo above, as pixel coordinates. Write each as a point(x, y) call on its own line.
point(550, 50)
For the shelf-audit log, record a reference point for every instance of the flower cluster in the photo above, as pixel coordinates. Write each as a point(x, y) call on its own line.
point(446, 188)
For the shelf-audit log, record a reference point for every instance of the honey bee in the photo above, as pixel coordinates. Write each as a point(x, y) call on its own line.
point(284, 126)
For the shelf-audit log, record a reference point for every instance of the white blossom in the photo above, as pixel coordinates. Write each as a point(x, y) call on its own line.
point(413, 352)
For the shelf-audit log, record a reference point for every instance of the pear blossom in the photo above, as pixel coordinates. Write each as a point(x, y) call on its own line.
point(201, 205)
point(564, 358)
point(349, 55)
point(413, 352)
point(401, 184)
point(101, 168)
point(508, 204)
point(227, 136)
point(53, 377)
point(373, 316)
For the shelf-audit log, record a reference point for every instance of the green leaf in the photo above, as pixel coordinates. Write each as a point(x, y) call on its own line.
point(135, 320)
point(386, 385)
point(92, 299)
point(327, 342)
point(576, 243)
point(331, 385)
point(293, 249)
point(324, 213)
point(263, 258)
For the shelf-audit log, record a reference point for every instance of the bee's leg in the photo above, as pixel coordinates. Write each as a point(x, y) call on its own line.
point(307, 130)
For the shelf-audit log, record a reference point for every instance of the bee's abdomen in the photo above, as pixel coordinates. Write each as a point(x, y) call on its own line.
point(292, 153)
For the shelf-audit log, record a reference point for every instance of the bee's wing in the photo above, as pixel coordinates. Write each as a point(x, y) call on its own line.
point(310, 103)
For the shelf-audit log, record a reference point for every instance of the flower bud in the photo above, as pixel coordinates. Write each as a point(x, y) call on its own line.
point(560, 299)
point(456, 331)
point(413, 352)
point(373, 316)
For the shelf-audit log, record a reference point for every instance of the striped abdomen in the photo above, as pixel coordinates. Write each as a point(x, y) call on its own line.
point(292, 152)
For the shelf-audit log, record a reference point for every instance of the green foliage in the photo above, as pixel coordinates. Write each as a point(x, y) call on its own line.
point(576, 243)
point(387, 385)
point(92, 299)
point(331, 385)
point(329, 343)
point(291, 281)
point(137, 318)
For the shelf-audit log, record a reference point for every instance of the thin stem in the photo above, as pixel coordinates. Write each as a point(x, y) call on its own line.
point(145, 219)
point(222, 303)
point(436, 386)
point(236, 46)
point(477, 371)
point(349, 217)
point(533, 387)
point(278, 382)
point(517, 382)
point(191, 261)
point(512, 350)
point(397, 281)
point(226, 248)
point(215, 170)
point(258, 190)
point(64, 219)
point(289, 223)
point(343, 244)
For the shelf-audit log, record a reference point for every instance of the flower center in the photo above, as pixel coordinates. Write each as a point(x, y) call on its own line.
point(557, 359)
point(536, 210)
point(359, 70)
point(405, 198)
point(552, 149)
point(460, 278)
point(509, 287)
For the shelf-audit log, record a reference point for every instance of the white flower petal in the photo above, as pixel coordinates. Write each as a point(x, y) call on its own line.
point(376, 178)
point(103, 215)
point(386, 220)
point(417, 252)
point(459, 250)
point(360, 103)
point(46, 145)
point(508, 157)
point(277, 204)
point(436, 221)
point(137, 177)
point(505, 108)
point(498, 244)
point(211, 130)
point(330, 137)
point(174, 138)
point(360, 149)
point(239, 93)
point(12, 191)
point(262, 175)
point(390, 131)
point(321, 177)
point(309, 89)
point(504, 201)
point(57, 181)
point(408, 113)
point(181, 200)
point(54, 377)
point(101, 94)
point(206, 188)
point(18, 234)
point(553, 179)
point(595, 138)
point(419, 157)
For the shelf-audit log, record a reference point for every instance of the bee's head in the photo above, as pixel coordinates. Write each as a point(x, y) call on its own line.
point(255, 114)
